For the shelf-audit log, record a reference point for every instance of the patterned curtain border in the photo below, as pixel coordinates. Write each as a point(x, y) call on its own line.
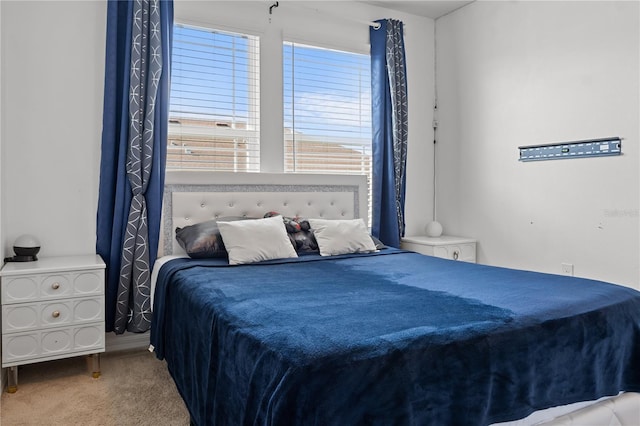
point(133, 309)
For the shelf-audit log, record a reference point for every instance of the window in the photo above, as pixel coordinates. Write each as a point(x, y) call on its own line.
point(214, 106)
point(327, 111)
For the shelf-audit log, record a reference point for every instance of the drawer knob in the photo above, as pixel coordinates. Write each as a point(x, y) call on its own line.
point(55, 286)
point(55, 314)
point(456, 254)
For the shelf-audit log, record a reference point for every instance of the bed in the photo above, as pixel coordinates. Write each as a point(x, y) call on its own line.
point(389, 337)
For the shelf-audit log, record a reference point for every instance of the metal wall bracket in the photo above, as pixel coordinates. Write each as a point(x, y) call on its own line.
point(577, 149)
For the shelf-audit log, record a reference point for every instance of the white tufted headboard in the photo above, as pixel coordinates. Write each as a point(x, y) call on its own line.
point(191, 197)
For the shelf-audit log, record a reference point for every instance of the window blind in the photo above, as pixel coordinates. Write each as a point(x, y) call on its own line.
point(214, 105)
point(327, 111)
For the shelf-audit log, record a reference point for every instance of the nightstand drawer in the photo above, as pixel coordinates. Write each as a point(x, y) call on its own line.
point(465, 252)
point(52, 343)
point(32, 287)
point(28, 316)
point(446, 247)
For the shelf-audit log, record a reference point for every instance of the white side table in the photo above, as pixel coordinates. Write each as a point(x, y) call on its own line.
point(445, 246)
point(52, 308)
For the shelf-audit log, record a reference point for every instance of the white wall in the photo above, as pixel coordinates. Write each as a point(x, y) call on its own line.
point(2, 256)
point(52, 82)
point(522, 73)
point(52, 89)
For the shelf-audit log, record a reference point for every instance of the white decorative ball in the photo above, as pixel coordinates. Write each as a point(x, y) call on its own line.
point(433, 229)
point(26, 245)
point(26, 241)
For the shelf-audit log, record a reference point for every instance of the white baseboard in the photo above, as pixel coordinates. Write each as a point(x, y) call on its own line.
point(121, 342)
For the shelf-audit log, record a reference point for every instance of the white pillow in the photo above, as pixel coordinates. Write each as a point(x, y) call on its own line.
point(249, 241)
point(342, 236)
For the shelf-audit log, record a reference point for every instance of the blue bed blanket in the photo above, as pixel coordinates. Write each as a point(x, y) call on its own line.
point(391, 338)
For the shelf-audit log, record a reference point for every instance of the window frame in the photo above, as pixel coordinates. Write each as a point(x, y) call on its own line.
point(225, 128)
point(271, 103)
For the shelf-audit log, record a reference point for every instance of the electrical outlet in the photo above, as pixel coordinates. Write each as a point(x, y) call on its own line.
point(567, 269)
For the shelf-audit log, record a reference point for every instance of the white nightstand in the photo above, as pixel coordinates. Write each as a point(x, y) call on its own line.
point(52, 308)
point(445, 246)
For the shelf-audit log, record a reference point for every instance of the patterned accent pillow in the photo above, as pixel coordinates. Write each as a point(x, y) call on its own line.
point(299, 232)
point(304, 242)
point(203, 240)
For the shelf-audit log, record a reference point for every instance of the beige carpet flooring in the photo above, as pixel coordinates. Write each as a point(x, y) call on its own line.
point(134, 389)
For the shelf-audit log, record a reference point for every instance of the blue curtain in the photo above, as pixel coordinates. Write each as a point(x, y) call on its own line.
point(389, 126)
point(134, 139)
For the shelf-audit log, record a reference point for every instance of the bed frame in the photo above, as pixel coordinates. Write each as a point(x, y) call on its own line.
point(192, 196)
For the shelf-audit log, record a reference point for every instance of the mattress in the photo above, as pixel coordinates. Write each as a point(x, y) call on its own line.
point(392, 337)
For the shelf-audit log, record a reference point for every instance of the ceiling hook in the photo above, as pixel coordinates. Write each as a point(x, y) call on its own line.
point(276, 4)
